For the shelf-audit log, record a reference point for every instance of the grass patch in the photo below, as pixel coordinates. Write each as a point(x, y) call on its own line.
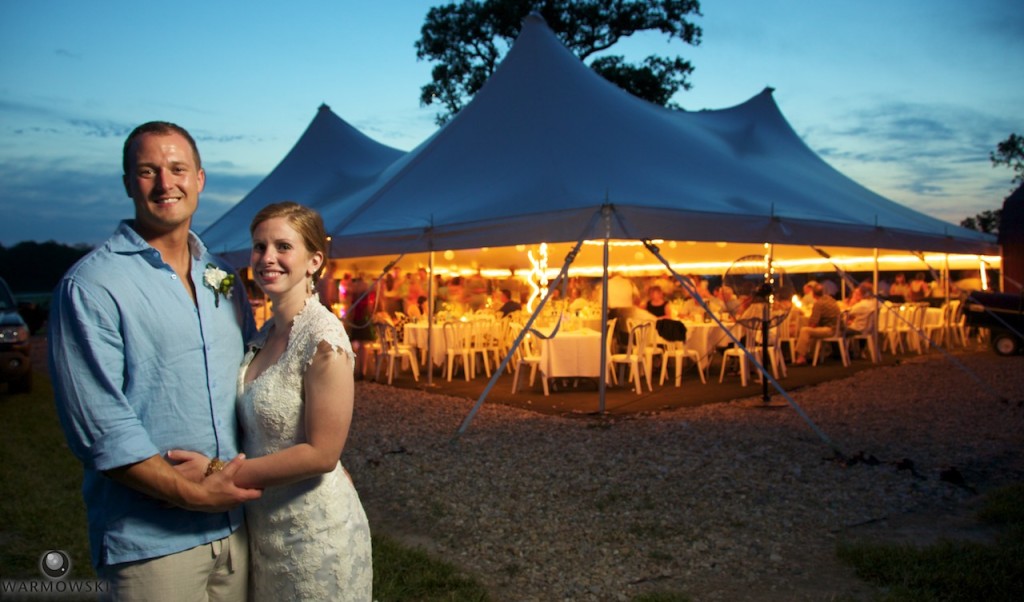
point(952, 570)
point(42, 509)
point(403, 573)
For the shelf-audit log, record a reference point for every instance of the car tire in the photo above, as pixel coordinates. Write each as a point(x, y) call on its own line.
point(1005, 343)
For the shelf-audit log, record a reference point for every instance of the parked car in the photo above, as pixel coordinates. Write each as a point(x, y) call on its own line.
point(15, 345)
point(1002, 314)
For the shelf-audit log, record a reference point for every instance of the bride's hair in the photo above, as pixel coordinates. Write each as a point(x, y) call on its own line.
point(307, 222)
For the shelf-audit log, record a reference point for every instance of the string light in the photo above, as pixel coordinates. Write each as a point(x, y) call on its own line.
point(537, 278)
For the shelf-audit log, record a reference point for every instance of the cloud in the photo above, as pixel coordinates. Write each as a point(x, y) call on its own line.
point(933, 157)
point(101, 128)
point(44, 200)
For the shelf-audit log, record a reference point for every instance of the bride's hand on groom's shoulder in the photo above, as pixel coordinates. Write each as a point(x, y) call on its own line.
point(191, 465)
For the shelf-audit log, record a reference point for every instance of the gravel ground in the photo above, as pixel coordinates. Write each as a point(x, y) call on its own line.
point(723, 502)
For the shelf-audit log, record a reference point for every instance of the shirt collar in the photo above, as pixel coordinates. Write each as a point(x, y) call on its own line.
point(127, 241)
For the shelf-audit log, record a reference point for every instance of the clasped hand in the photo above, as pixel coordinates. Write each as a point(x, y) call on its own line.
point(219, 485)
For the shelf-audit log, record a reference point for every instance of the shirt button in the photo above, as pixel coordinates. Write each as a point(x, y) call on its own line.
point(174, 276)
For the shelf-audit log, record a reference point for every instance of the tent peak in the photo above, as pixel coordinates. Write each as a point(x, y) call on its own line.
point(534, 16)
point(323, 107)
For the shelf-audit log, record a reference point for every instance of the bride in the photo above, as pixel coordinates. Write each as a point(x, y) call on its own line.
point(309, 537)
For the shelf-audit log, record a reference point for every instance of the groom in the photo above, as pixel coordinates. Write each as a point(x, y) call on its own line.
point(146, 337)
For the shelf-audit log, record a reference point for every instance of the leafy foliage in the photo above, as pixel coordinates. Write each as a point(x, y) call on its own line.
point(986, 221)
point(1010, 152)
point(469, 39)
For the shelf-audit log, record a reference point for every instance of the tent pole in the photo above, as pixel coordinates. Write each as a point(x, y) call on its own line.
point(765, 373)
point(878, 311)
point(430, 314)
point(564, 273)
point(602, 383)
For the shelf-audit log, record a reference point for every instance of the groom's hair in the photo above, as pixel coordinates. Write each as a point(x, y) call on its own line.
point(158, 127)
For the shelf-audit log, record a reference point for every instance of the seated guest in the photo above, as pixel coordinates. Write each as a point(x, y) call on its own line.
point(857, 294)
point(821, 324)
point(899, 290)
point(860, 313)
point(807, 301)
point(506, 305)
point(577, 301)
point(668, 327)
point(860, 310)
point(416, 310)
point(656, 304)
point(919, 288)
point(693, 308)
point(726, 300)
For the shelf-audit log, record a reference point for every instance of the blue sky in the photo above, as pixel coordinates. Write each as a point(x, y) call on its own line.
point(908, 97)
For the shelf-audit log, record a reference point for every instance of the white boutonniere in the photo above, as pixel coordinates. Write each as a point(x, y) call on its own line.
point(218, 281)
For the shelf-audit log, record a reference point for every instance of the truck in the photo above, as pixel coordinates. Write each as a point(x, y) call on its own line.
point(15, 344)
point(1002, 314)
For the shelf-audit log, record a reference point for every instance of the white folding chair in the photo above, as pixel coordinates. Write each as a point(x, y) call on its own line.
point(869, 336)
point(457, 347)
point(678, 351)
point(635, 355)
point(391, 350)
point(838, 337)
point(752, 336)
point(529, 356)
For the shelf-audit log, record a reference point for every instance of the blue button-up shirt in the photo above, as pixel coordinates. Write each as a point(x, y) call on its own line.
point(138, 369)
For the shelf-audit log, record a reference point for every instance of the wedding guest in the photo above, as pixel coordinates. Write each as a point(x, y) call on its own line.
point(656, 304)
point(146, 335)
point(919, 288)
point(859, 313)
point(899, 290)
point(668, 327)
point(506, 305)
point(807, 300)
point(727, 301)
point(821, 324)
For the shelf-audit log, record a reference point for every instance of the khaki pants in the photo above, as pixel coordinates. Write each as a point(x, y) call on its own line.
point(803, 342)
point(216, 572)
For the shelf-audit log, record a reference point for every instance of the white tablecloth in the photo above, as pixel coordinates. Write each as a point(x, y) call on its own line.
point(703, 337)
point(416, 335)
point(575, 353)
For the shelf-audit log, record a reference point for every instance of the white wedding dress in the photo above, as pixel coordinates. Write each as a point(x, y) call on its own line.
point(309, 540)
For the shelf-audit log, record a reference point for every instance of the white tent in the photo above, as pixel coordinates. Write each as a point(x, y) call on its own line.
point(330, 159)
point(547, 142)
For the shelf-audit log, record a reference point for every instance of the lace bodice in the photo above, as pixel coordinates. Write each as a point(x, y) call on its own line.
point(280, 424)
point(309, 540)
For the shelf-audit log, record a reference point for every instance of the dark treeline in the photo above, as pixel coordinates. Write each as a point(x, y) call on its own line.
point(36, 267)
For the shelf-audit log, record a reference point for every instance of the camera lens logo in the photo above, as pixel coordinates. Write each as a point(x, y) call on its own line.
point(55, 564)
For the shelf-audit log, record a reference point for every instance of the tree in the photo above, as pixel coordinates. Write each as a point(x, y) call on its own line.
point(1010, 152)
point(986, 221)
point(469, 39)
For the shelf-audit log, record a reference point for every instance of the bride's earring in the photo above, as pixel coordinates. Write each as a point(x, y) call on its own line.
point(309, 285)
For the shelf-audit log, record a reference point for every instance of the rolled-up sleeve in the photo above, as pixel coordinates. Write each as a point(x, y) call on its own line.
point(87, 364)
